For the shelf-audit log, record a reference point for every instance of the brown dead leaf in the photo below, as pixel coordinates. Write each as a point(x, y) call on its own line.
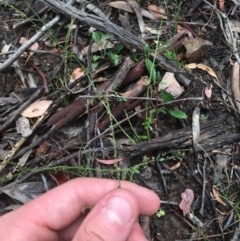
point(175, 167)
point(109, 162)
point(216, 196)
point(180, 28)
point(139, 16)
point(76, 74)
point(155, 8)
point(204, 67)
point(196, 48)
point(42, 149)
point(121, 5)
point(60, 177)
point(24, 192)
point(157, 11)
point(22, 160)
point(95, 47)
point(5, 48)
point(36, 109)
point(125, 6)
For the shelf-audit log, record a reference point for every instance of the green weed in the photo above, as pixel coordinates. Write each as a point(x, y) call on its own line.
point(113, 54)
point(172, 55)
point(160, 213)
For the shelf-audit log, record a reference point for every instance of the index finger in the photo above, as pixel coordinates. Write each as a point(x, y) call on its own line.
point(63, 205)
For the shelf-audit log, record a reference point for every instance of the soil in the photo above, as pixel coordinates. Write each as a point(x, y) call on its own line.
point(164, 157)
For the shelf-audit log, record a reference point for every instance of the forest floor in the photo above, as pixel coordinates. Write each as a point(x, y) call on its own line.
point(145, 91)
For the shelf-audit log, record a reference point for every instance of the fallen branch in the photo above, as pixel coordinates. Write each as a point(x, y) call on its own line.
point(213, 135)
point(29, 43)
point(120, 33)
point(20, 109)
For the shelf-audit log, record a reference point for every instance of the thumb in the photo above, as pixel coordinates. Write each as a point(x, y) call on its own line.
point(112, 218)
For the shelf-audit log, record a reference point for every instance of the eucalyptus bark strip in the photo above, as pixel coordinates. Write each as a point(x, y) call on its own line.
point(121, 108)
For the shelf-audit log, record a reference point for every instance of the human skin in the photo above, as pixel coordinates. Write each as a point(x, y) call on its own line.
point(60, 214)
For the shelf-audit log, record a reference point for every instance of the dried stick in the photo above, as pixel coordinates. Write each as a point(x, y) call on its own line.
point(212, 136)
point(20, 109)
point(203, 188)
point(137, 11)
point(18, 145)
point(194, 6)
point(114, 85)
point(138, 112)
point(43, 77)
point(58, 120)
point(120, 33)
point(96, 22)
point(29, 43)
point(120, 75)
point(74, 110)
point(96, 10)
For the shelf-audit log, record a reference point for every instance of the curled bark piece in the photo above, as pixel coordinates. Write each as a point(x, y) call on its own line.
point(235, 85)
point(195, 127)
point(119, 109)
point(67, 114)
point(120, 75)
point(136, 72)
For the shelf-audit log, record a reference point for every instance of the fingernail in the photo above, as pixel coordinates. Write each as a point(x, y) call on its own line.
point(119, 210)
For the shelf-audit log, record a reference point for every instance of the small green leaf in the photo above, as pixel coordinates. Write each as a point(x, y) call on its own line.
point(98, 36)
point(144, 137)
point(146, 49)
point(134, 56)
point(160, 213)
point(95, 65)
point(162, 110)
point(151, 69)
point(166, 96)
point(119, 48)
point(115, 58)
point(158, 75)
point(96, 58)
point(178, 114)
point(149, 65)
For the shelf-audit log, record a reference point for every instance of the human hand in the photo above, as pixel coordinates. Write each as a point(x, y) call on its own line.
point(60, 214)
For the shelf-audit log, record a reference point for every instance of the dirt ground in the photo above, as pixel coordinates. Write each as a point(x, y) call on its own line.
point(164, 150)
